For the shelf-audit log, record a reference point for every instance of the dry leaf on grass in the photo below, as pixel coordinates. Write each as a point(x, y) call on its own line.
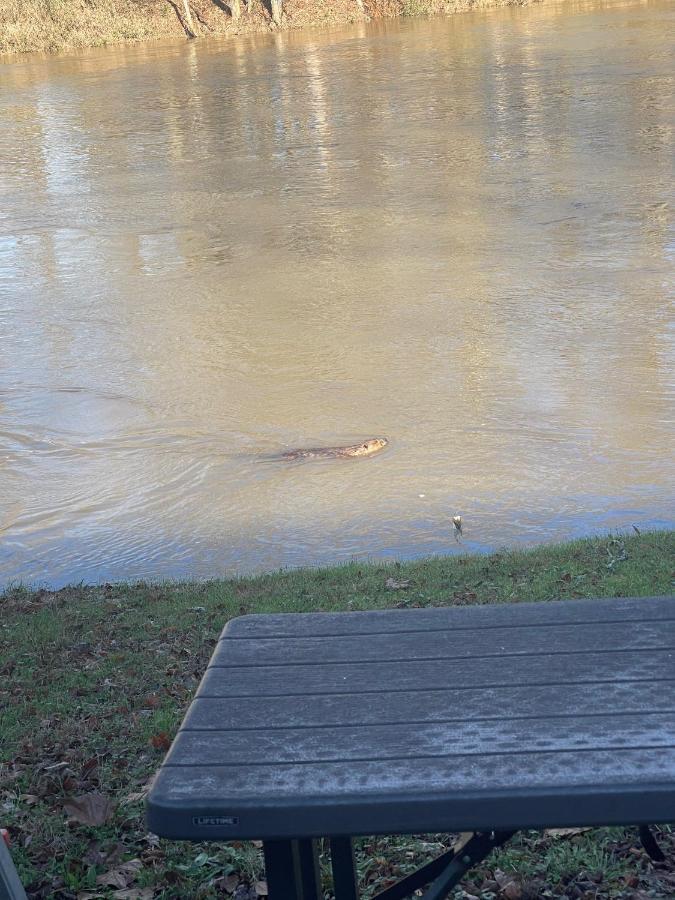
point(151, 701)
point(508, 886)
point(121, 876)
point(89, 766)
point(393, 585)
point(161, 741)
point(231, 883)
point(261, 888)
point(97, 853)
point(89, 809)
point(227, 883)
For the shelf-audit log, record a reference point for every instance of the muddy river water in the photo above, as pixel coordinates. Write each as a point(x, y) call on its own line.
point(455, 233)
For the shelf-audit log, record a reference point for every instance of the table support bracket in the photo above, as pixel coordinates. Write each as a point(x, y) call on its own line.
point(448, 869)
point(650, 844)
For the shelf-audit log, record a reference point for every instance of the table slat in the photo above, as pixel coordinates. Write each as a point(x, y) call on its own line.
point(424, 675)
point(415, 707)
point(448, 644)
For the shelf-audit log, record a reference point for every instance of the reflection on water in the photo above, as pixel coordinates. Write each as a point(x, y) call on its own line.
point(456, 233)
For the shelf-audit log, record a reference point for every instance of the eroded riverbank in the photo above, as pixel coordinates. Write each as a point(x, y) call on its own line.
point(39, 25)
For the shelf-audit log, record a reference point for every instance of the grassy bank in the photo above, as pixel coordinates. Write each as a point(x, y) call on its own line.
point(95, 681)
point(51, 25)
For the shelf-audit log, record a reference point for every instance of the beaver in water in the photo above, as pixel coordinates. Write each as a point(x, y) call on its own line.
point(367, 448)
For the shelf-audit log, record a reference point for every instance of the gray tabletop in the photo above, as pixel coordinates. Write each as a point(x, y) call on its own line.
point(472, 718)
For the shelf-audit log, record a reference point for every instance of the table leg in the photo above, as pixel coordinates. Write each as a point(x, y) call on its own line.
point(310, 873)
point(282, 870)
point(10, 886)
point(344, 870)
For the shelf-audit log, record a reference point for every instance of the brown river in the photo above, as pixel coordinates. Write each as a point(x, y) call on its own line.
point(455, 233)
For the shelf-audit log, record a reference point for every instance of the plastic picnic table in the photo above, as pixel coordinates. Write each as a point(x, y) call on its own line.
point(484, 719)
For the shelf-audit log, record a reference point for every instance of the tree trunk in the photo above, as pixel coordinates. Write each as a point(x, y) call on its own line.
point(191, 30)
point(276, 11)
point(235, 9)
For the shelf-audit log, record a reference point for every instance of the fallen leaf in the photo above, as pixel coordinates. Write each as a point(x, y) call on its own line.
point(261, 888)
point(228, 883)
point(94, 855)
point(393, 585)
point(161, 741)
point(113, 879)
point(121, 876)
point(89, 809)
point(508, 886)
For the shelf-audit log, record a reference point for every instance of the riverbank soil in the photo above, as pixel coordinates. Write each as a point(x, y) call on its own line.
point(94, 682)
point(52, 25)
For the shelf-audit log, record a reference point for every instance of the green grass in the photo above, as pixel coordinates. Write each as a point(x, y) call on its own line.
point(96, 680)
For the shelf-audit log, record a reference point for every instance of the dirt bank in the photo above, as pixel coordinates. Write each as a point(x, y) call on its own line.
point(52, 25)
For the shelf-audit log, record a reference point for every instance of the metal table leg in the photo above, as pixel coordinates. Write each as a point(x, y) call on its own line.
point(282, 870)
point(292, 870)
point(310, 872)
point(344, 870)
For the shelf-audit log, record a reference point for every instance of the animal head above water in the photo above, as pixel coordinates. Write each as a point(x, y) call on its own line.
point(368, 447)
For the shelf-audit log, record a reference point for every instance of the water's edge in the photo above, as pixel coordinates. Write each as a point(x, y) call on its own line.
point(125, 22)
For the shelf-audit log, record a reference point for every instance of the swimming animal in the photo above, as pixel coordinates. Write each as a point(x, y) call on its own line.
point(367, 448)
